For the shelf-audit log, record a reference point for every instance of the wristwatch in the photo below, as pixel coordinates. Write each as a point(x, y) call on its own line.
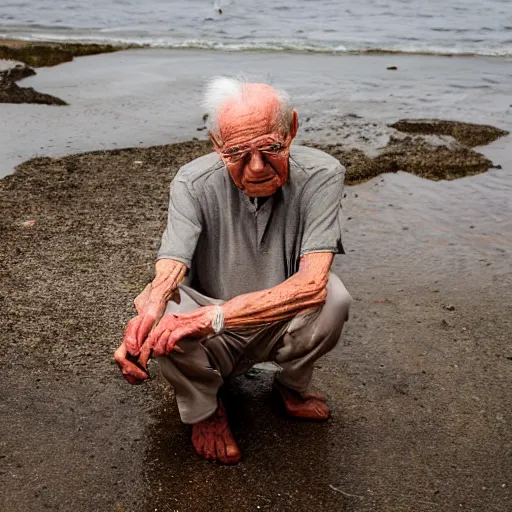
point(218, 321)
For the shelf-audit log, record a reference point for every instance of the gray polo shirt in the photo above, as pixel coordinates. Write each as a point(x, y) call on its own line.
point(231, 244)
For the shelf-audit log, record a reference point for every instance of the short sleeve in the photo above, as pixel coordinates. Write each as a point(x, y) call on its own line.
point(322, 216)
point(184, 225)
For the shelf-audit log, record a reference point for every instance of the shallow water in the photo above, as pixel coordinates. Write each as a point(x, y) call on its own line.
point(437, 26)
point(148, 97)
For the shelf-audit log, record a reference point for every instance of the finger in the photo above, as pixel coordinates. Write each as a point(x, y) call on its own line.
point(160, 345)
point(171, 346)
point(132, 380)
point(145, 326)
point(130, 336)
point(145, 354)
point(178, 349)
point(129, 370)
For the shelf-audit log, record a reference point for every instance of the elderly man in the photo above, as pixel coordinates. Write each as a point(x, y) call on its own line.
point(253, 227)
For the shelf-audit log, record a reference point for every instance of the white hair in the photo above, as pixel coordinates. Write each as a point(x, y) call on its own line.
point(221, 90)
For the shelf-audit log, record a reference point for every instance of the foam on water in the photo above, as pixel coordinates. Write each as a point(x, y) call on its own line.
point(451, 27)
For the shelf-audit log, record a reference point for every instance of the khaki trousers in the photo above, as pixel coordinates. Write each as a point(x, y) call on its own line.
point(295, 345)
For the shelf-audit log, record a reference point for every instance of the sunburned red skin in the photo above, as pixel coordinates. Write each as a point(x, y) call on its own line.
point(241, 121)
point(308, 406)
point(153, 333)
point(213, 440)
point(150, 306)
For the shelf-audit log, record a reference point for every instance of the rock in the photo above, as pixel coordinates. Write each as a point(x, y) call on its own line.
point(410, 154)
point(10, 92)
point(18, 72)
point(449, 307)
point(468, 134)
point(51, 53)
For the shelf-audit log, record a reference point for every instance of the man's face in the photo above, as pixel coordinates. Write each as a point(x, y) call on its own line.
point(254, 153)
point(258, 167)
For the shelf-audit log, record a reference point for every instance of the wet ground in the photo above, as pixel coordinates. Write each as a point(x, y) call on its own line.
point(419, 385)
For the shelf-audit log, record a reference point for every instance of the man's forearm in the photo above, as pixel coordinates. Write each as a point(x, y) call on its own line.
point(304, 290)
point(168, 274)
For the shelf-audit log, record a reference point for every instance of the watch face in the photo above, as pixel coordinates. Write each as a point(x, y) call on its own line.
point(218, 321)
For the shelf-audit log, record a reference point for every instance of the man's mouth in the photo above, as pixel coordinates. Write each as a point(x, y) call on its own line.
point(260, 180)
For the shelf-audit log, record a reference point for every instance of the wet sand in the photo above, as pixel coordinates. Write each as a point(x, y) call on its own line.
point(419, 386)
point(139, 98)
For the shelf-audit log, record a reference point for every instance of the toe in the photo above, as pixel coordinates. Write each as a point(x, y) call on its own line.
point(198, 442)
point(233, 454)
point(321, 410)
point(210, 452)
point(220, 448)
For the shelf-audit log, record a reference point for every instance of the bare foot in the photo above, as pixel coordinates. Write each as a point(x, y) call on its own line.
point(310, 406)
point(213, 440)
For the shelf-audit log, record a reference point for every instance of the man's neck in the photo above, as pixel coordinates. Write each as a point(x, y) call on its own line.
point(258, 202)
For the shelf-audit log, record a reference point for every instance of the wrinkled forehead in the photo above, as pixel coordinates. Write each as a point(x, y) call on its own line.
point(251, 115)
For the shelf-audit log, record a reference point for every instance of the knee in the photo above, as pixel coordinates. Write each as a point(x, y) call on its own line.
point(338, 300)
point(333, 315)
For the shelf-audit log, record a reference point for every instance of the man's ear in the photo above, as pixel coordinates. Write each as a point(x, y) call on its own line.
point(294, 125)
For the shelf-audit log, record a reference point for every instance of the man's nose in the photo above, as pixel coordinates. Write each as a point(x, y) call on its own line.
point(256, 162)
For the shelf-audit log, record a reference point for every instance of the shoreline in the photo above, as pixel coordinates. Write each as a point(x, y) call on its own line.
point(355, 103)
point(117, 45)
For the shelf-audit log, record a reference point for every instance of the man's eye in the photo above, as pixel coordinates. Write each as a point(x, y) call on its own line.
point(275, 148)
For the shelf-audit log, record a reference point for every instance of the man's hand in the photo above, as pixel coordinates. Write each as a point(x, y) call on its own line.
point(140, 326)
point(172, 328)
point(127, 357)
point(134, 372)
point(151, 303)
point(133, 353)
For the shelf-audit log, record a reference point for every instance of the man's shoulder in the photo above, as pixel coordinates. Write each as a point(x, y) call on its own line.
point(312, 164)
point(199, 171)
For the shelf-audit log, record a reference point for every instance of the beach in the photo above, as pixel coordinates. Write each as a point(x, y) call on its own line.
point(420, 383)
point(158, 91)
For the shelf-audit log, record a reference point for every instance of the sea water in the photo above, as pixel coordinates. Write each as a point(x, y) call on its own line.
point(448, 27)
